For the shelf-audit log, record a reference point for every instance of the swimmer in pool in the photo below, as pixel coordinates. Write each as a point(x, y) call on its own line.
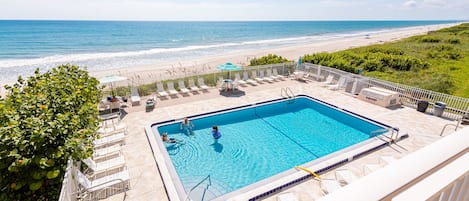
point(215, 133)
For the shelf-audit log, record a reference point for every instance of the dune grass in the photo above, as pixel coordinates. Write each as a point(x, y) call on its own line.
point(437, 61)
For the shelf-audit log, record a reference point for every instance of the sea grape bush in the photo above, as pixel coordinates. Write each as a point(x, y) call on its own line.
point(44, 121)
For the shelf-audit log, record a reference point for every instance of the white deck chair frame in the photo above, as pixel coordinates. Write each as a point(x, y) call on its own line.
point(105, 165)
point(247, 79)
point(103, 187)
point(134, 96)
point(202, 84)
point(160, 90)
point(239, 80)
point(192, 86)
point(110, 140)
point(171, 89)
point(182, 87)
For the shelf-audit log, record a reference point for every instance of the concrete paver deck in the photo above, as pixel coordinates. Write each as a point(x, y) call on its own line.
point(146, 183)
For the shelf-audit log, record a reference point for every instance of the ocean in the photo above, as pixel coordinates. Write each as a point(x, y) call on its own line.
point(99, 45)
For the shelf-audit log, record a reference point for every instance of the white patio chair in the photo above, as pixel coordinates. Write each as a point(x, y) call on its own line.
point(263, 77)
point(105, 165)
point(386, 160)
point(239, 80)
point(247, 79)
point(171, 89)
point(328, 81)
point(103, 187)
point(192, 86)
point(269, 74)
point(134, 97)
point(339, 85)
point(345, 176)
point(110, 140)
point(182, 87)
point(289, 196)
point(106, 151)
point(329, 185)
point(275, 73)
point(255, 77)
point(160, 90)
point(202, 84)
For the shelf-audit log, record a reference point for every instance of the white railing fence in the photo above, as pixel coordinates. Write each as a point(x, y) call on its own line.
point(456, 106)
point(69, 184)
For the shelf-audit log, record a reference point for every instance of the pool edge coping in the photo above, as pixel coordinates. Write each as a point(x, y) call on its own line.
point(175, 190)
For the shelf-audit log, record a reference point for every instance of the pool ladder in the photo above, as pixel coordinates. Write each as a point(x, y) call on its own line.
point(288, 93)
point(201, 181)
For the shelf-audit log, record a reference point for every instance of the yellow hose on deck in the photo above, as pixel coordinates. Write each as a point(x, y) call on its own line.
point(308, 171)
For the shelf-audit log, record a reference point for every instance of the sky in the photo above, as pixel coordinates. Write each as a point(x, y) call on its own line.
point(235, 10)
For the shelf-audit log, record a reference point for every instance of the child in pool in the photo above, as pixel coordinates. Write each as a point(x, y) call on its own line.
point(215, 133)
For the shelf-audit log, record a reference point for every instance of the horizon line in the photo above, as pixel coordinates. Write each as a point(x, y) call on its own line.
point(227, 20)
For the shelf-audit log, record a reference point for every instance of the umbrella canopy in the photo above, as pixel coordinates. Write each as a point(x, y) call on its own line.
point(228, 67)
point(111, 79)
point(298, 66)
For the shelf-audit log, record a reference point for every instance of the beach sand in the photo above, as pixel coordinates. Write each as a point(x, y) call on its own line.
point(152, 73)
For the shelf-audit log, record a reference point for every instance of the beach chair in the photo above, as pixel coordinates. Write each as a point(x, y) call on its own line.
point(246, 79)
point(239, 80)
point(192, 86)
point(328, 81)
point(369, 168)
point(386, 160)
point(289, 196)
point(171, 90)
point(345, 176)
point(110, 140)
point(106, 151)
point(160, 90)
point(255, 77)
point(134, 97)
point(263, 77)
point(329, 185)
point(182, 87)
point(100, 188)
point(105, 165)
point(269, 74)
point(339, 85)
point(202, 84)
point(275, 73)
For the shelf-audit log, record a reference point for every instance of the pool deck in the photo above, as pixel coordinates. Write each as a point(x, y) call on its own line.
point(146, 183)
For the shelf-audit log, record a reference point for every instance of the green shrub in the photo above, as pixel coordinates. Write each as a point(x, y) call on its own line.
point(44, 121)
point(430, 39)
point(269, 59)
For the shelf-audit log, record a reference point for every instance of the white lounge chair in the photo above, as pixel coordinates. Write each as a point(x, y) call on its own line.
point(345, 176)
point(134, 97)
point(106, 151)
point(160, 90)
point(192, 86)
point(110, 140)
point(239, 80)
point(105, 165)
point(246, 78)
point(263, 77)
point(103, 132)
point(182, 87)
point(386, 160)
point(269, 74)
point(340, 84)
point(255, 77)
point(369, 168)
point(329, 185)
point(103, 187)
point(202, 84)
point(275, 73)
point(289, 196)
point(328, 81)
point(171, 90)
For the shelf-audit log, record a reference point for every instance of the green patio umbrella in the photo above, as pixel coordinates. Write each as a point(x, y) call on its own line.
point(228, 67)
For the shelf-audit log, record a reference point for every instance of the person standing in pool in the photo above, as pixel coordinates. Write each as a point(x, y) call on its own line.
point(187, 126)
point(215, 133)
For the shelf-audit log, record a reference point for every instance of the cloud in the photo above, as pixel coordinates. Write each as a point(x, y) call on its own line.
point(435, 3)
point(410, 4)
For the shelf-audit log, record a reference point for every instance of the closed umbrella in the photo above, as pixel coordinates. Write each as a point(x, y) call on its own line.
point(298, 66)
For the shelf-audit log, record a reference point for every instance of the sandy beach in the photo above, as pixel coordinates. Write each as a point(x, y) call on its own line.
point(152, 73)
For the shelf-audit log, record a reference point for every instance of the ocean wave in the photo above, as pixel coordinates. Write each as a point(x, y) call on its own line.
point(76, 58)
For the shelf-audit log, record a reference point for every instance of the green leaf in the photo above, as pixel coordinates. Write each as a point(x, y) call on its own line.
point(35, 186)
point(53, 174)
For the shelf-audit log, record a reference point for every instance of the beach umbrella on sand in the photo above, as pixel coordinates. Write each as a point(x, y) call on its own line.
point(228, 67)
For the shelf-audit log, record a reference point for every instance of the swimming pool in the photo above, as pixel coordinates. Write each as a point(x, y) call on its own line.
point(258, 141)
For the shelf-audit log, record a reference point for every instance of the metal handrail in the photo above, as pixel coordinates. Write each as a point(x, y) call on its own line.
point(201, 181)
point(446, 125)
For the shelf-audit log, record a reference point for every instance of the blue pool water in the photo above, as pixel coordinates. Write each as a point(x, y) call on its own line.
point(260, 142)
